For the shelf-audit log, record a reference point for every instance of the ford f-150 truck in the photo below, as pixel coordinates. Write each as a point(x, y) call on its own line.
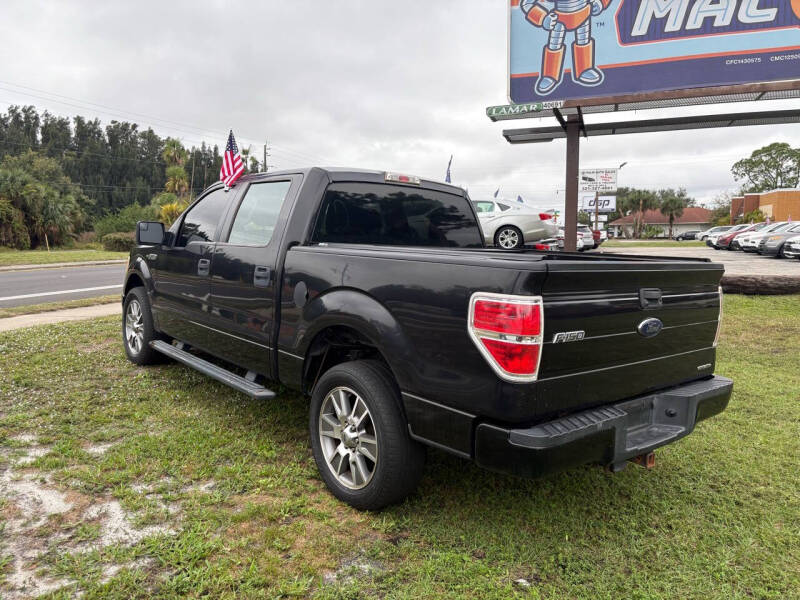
point(374, 294)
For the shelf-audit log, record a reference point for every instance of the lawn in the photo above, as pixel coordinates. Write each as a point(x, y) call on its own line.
point(651, 244)
point(156, 482)
point(10, 257)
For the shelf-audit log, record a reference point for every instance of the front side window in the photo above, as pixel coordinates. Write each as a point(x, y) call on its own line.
point(200, 223)
point(258, 213)
point(371, 213)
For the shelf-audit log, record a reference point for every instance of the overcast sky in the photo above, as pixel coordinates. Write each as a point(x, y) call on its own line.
point(396, 85)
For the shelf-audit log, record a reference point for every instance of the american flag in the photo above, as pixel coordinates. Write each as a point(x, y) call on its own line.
point(232, 166)
point(447, 177)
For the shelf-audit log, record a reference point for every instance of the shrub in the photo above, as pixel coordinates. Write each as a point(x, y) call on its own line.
point(170, 212)
point(652, 231)
point(125, 219)
point(119, 242)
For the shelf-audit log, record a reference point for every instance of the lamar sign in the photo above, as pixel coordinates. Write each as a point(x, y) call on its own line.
point(577, 49)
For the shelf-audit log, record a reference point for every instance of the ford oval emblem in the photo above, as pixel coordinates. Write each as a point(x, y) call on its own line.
point(650, 327)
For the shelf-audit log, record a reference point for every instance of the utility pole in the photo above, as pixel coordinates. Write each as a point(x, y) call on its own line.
point(266, 147)
point(191, 185)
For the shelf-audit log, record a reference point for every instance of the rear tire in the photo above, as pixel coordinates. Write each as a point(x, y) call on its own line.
point(359, 436)
point(137, 328)
point(509, 237)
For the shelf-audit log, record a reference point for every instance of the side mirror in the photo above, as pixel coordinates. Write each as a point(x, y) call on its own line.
point(149, 233)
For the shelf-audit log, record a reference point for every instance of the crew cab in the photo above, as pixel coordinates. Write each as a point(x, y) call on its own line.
point(375, 295)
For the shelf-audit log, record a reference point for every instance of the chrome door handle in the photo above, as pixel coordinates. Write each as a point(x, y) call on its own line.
point(151, 256)
point(203, 266)
point(261, 276)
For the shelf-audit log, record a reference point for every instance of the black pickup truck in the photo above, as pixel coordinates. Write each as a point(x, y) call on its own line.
point(373, 293)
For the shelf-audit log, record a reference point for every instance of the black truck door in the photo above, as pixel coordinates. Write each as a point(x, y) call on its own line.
point(181, 277)
point(244, 274)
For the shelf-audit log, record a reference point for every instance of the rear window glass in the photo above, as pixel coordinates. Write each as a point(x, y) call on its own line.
point(373, 213)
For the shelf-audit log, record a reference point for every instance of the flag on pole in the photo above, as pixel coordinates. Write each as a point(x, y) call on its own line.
point(447, 177)
point(232, 166)
point(520, 200)
point(497, 192)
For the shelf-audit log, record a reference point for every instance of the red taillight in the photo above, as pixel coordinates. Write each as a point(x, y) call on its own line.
point(544, 216)
point(541, 247)
point(508, 332)
point(507, 317)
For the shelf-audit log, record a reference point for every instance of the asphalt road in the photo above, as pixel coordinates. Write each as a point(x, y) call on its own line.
point(22, 288)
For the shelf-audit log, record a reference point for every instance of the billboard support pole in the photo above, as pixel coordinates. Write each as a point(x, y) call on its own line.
point(573, 127)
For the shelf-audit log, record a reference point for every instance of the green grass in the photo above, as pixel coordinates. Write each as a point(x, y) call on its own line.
point(33, 309)
point(716, 519)
point(9, 257)
point(652, 244)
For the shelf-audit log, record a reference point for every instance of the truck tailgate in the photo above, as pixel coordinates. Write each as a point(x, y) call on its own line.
point(603, 304)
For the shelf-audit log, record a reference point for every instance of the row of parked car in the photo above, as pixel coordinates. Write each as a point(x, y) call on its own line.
point(780, 239)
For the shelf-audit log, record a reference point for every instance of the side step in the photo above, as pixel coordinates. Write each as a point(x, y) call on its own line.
point(241, 384)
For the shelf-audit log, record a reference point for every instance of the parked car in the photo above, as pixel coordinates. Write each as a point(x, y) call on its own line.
point(703, 235)
point(736, 242)
point(772, 245)
point(725, 240)
point(791, 249)
point(751, 241)
point(713, 239)
point(687, 235)
point(579, 244)
point(510, 227)
point(588, 237)
point(403, 335)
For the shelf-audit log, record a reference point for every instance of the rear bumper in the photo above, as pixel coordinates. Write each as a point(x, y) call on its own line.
point(609, 435)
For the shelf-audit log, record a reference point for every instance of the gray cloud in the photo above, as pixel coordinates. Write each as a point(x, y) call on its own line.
point(385, 85)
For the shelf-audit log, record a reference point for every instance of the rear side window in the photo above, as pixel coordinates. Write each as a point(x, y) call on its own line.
point(200, 223)
point(258, 213)
point(373, 213)
point(483, 207)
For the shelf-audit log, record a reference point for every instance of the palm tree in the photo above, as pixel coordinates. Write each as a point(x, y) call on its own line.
point(174, 153)
point(177, 181)
point(637, 202)
point(672, 206)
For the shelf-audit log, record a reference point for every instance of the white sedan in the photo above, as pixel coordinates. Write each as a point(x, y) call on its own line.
point(510, 226)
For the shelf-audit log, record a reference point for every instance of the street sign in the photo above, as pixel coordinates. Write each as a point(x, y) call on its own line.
point(578, 49)
point(606, 204)
point(598, 180)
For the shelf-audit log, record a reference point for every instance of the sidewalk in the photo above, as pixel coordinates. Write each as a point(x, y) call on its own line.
point(84, 263)
point(59, 316)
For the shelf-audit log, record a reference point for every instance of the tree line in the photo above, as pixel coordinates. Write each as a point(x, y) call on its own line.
point(60, 176)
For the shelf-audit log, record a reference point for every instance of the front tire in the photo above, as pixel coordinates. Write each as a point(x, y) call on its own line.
point(509, 237)
point(137, 328)
point(359, 437)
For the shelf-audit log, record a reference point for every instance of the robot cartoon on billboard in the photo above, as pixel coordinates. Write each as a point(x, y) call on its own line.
point(566, 16)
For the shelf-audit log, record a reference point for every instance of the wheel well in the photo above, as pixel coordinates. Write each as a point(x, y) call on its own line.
point(133, 281)
point(333, 346)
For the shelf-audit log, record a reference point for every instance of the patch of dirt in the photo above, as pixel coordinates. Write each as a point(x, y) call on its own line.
point(39, 517)
point(99, 449)
point(352, 569)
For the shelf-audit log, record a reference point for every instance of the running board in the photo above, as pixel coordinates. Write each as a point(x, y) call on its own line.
point(246, 386)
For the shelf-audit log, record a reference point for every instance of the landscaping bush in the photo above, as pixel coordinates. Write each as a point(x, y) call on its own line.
point(119, 242)
point(125, 219)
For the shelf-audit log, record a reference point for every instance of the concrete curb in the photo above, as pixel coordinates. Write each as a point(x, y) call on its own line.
point(85, 263)
point(60, 316)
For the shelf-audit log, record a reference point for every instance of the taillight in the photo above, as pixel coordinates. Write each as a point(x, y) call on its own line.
point(719, 319)
point(544, 216)
point(541, 247)
point(508, 331)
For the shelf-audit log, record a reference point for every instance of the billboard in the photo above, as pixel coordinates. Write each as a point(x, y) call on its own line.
point(604, 204)
point(575, 49)
point(597, 180)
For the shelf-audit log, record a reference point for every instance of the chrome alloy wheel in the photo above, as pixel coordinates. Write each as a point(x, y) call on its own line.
point(348, 438)
point(134, 326)
point(508, 238)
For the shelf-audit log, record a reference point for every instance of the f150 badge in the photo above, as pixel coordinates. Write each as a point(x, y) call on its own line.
point(650, 327)
point(568, 336)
